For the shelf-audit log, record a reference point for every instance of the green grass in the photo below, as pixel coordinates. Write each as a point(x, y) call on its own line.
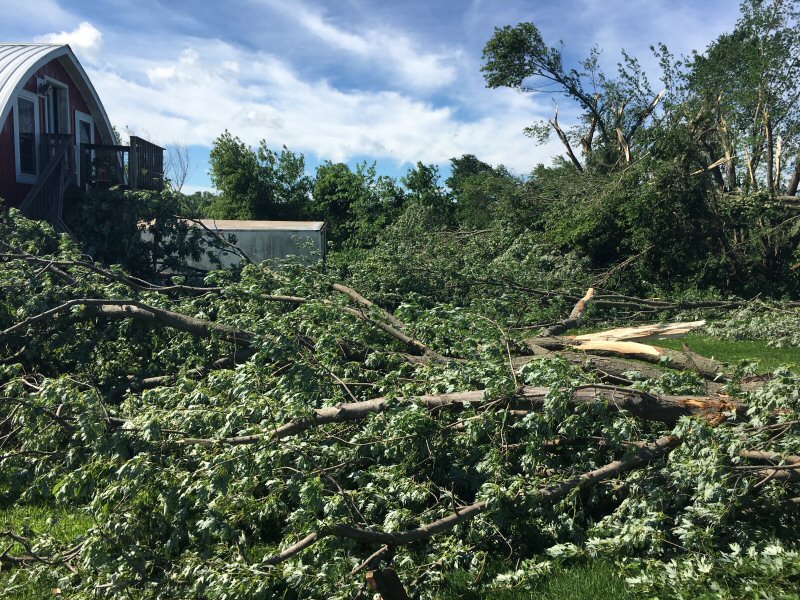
point(64, 524)
point(727, 351)
point(734, 351)
point(597, 580)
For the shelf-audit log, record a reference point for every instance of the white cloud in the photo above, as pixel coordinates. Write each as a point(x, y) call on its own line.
point(193, 97)
point(385, 48)
point(314, 23)
point(86, 40)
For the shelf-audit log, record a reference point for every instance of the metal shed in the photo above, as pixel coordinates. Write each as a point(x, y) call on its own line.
point(268, 240)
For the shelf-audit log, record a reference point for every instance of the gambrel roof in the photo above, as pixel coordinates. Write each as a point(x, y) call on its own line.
point(18, 62)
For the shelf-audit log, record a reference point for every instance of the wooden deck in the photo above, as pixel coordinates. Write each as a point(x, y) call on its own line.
point(138, 166)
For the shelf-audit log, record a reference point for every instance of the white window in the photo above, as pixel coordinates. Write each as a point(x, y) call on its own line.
point(26, 136)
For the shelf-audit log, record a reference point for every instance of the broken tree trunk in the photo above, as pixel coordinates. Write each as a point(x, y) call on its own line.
point(641, 332)
point(708, 368)
point(574, 318)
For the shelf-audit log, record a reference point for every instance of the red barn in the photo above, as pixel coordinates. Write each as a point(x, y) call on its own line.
point(55, 134)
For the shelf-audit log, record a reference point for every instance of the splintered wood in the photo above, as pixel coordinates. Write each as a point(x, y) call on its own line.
point(642, 332)
point(619, 347)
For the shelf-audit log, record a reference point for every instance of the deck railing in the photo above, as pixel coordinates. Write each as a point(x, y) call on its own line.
point(146, 166)
point(103, 165)
point(50, 144)
point(139, 166)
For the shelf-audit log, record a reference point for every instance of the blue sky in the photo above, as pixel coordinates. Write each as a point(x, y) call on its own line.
point(349, 80)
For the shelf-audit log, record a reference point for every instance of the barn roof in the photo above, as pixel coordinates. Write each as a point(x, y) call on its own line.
point(18, 62)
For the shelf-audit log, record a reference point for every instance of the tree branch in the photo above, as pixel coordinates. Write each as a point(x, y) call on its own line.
point(564, 140)
point(133, 309)
point(574, 318)
point(544, 496)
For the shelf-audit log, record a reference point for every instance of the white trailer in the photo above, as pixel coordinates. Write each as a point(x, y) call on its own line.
point(266, 240)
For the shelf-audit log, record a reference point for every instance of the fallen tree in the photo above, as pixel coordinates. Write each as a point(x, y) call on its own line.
point(548, 495)
point(280, 434)
point(665, 409)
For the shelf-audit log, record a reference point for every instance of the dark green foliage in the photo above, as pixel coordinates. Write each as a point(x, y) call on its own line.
point(196, 205)
point(517, 53)
point(483, 194)
point(427, 198)
point(137, 229)
point(356, 205)
point(257, 184)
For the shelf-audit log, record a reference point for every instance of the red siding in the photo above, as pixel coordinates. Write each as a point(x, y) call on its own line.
point(11, 191)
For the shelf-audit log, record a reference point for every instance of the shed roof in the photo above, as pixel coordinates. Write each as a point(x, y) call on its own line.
point(229, 225)
point(18, 62)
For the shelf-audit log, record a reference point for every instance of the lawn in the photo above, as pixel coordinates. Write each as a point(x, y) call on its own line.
point(64, 524)
point(597, 580)
point(734, 351)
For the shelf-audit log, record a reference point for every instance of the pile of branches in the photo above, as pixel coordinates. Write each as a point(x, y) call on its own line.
point(278, 434)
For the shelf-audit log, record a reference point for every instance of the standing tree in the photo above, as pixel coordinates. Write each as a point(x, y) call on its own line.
point(425, 190)
point(481, 192)
point(357, 205)
point(745, 95)
point(257, 184)
point(612, 110)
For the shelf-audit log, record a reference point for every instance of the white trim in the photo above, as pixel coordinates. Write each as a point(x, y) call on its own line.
point(26, 177)
point(80, 116)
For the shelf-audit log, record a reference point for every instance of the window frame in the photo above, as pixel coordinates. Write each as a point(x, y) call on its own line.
point(26, 177)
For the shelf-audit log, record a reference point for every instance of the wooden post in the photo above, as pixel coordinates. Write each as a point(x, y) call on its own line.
point(133, 164)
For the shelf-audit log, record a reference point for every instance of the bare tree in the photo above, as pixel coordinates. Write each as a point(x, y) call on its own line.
point(177, 164)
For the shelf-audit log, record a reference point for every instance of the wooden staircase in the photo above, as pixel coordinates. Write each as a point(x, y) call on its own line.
point(45, 202)
point(102, 166)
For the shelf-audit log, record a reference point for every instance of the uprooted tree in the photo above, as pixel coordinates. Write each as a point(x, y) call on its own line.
point(281, 435)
